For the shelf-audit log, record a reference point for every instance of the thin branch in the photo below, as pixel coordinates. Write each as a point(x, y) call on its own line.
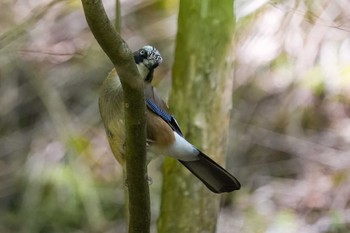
point(135, 120)
point(118, 18)
point(324, 155)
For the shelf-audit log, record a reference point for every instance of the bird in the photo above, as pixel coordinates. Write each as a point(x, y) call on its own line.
point(164, 135)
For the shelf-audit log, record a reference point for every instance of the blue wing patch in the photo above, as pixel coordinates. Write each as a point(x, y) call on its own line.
point(164, 115)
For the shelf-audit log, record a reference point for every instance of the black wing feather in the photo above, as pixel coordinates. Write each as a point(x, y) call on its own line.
point(164, 115)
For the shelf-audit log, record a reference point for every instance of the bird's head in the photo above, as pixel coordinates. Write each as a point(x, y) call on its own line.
point(147, 59)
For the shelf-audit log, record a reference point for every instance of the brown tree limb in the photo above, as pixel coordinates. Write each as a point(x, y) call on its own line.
point(135, 120)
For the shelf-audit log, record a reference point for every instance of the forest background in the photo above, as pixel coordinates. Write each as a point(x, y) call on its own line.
point(289, 135)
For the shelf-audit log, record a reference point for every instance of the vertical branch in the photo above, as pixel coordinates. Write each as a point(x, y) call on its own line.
point(203, 40)
point(135, 120)
point(118, 17)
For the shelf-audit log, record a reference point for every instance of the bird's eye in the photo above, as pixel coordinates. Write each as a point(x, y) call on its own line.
point(142, 52)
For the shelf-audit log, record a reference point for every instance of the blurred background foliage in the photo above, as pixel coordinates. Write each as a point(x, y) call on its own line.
point(289, 140)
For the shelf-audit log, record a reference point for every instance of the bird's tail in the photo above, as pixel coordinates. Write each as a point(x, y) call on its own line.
point(216, 178)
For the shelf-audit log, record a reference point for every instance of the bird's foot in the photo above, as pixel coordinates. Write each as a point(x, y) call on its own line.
point(149, 180)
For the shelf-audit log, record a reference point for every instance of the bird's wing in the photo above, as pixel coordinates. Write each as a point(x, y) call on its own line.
point(156, 105)
point(164, 115)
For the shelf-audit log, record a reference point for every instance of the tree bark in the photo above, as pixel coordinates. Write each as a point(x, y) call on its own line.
point(134, 109)
point(200, 100)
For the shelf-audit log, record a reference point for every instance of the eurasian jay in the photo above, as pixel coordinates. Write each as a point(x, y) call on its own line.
point(164, 135)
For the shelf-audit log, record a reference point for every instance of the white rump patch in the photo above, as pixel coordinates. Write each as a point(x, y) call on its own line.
point(182, 149)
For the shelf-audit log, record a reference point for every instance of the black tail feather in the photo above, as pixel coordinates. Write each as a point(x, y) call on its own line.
point(216, 178)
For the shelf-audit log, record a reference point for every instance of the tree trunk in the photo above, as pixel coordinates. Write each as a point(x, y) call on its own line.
point(200, 100)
